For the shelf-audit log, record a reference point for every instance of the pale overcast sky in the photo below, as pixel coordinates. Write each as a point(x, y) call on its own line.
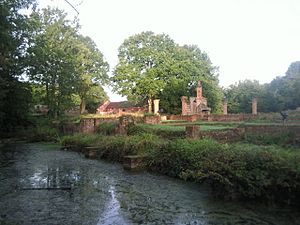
point(246, 39)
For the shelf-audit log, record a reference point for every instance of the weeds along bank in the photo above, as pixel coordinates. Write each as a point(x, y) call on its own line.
point(267, 173)
point(253, 169)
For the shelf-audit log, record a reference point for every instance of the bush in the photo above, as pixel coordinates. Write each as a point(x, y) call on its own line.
point(270, 139)
point(80, 140)
point(239, 170)
point(115, 148)
point(164, 131)
point(233, 170)
point(107, 128)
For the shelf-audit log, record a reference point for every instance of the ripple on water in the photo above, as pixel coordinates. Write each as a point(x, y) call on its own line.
point(42, 185)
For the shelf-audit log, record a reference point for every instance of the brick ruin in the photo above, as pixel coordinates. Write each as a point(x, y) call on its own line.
point(195, 105)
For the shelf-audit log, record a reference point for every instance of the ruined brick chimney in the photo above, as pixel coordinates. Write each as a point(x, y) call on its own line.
point(199, 90)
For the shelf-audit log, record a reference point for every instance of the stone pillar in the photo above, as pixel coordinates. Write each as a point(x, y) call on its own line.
point(192, 131)
point(225, 107)
point(156, 106)
point(183, 105)
point(150, 105)
point(254, 106)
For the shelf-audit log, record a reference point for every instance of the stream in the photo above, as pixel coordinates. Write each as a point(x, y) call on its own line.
point(40, 184)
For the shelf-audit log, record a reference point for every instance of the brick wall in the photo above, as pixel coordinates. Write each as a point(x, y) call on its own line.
point(278, 129)
point(229, 117)
point(236, 134)
point(228, 135)
point(152, 119)
point(213, 117)
point(86, 125)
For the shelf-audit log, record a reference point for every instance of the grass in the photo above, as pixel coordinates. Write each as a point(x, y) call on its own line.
point(181, 127)
point(242, 170)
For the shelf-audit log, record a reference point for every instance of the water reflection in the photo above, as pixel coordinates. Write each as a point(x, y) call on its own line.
point(31, 192)
point(111, 214)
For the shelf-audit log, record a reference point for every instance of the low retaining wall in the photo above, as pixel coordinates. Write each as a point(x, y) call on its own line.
point(213, 117)
point(86, 125)
point(152, 119)
point(230, 117)
point(237, 134)
point(189, 118)
point(275, 129)
point(228, 135)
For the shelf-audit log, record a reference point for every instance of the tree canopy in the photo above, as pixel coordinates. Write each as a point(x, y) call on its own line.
point(281, 93)
point(154, 66)
point(14, 95)
point(63, 61)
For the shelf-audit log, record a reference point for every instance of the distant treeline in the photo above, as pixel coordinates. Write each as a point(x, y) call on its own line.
point(281, 93)
point(65, 70)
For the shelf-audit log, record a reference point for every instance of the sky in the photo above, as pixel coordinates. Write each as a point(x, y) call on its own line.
point(246, 39)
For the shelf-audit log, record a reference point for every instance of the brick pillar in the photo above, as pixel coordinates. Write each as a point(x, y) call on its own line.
point(183, 105)
point(254, 106)
point(225, 107)
point(192, 131)
point(199, 90)
point(156, 106)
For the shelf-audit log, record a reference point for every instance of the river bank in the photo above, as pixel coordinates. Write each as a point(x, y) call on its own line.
point(234, 171)
point(44, 185)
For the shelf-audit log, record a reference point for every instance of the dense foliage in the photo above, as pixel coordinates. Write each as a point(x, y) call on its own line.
point(267, 173)
point(64, 62)
point(154, 66)
point(65, 68)
point(14, 95)
point(281, 94)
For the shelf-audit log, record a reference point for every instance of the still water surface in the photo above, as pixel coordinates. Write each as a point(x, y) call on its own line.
point(39, 184)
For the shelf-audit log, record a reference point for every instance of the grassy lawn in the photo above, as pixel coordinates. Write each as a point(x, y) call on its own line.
point(181, 127)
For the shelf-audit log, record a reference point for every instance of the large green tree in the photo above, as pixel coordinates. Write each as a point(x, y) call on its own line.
point(14, 95)
point(63, 61)
point(186, 67)
point(240, 95)
point(50, 57)
point(141, 58)
point(154, 66)
point(92, 70)
point(281, 93)
point(286, 89)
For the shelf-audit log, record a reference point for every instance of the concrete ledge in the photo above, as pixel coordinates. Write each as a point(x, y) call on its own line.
point(91, 152)
point(134, 162)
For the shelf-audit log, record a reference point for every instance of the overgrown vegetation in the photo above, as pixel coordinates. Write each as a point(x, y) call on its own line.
point(165, 131)
point(282, 139)
point(269, 173)
point(107, 128)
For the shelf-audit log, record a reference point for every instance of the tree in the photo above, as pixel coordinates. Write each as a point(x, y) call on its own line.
point(92, 70)
point(63, 61)
point(50, 57)
point(282, 93)
point(154, 66)
point(14, 95)
point(140, 59)
point(95, 95)
point(240, 95)
point(189, 65)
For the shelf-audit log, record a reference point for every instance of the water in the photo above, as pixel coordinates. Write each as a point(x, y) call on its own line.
point(40, 184)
